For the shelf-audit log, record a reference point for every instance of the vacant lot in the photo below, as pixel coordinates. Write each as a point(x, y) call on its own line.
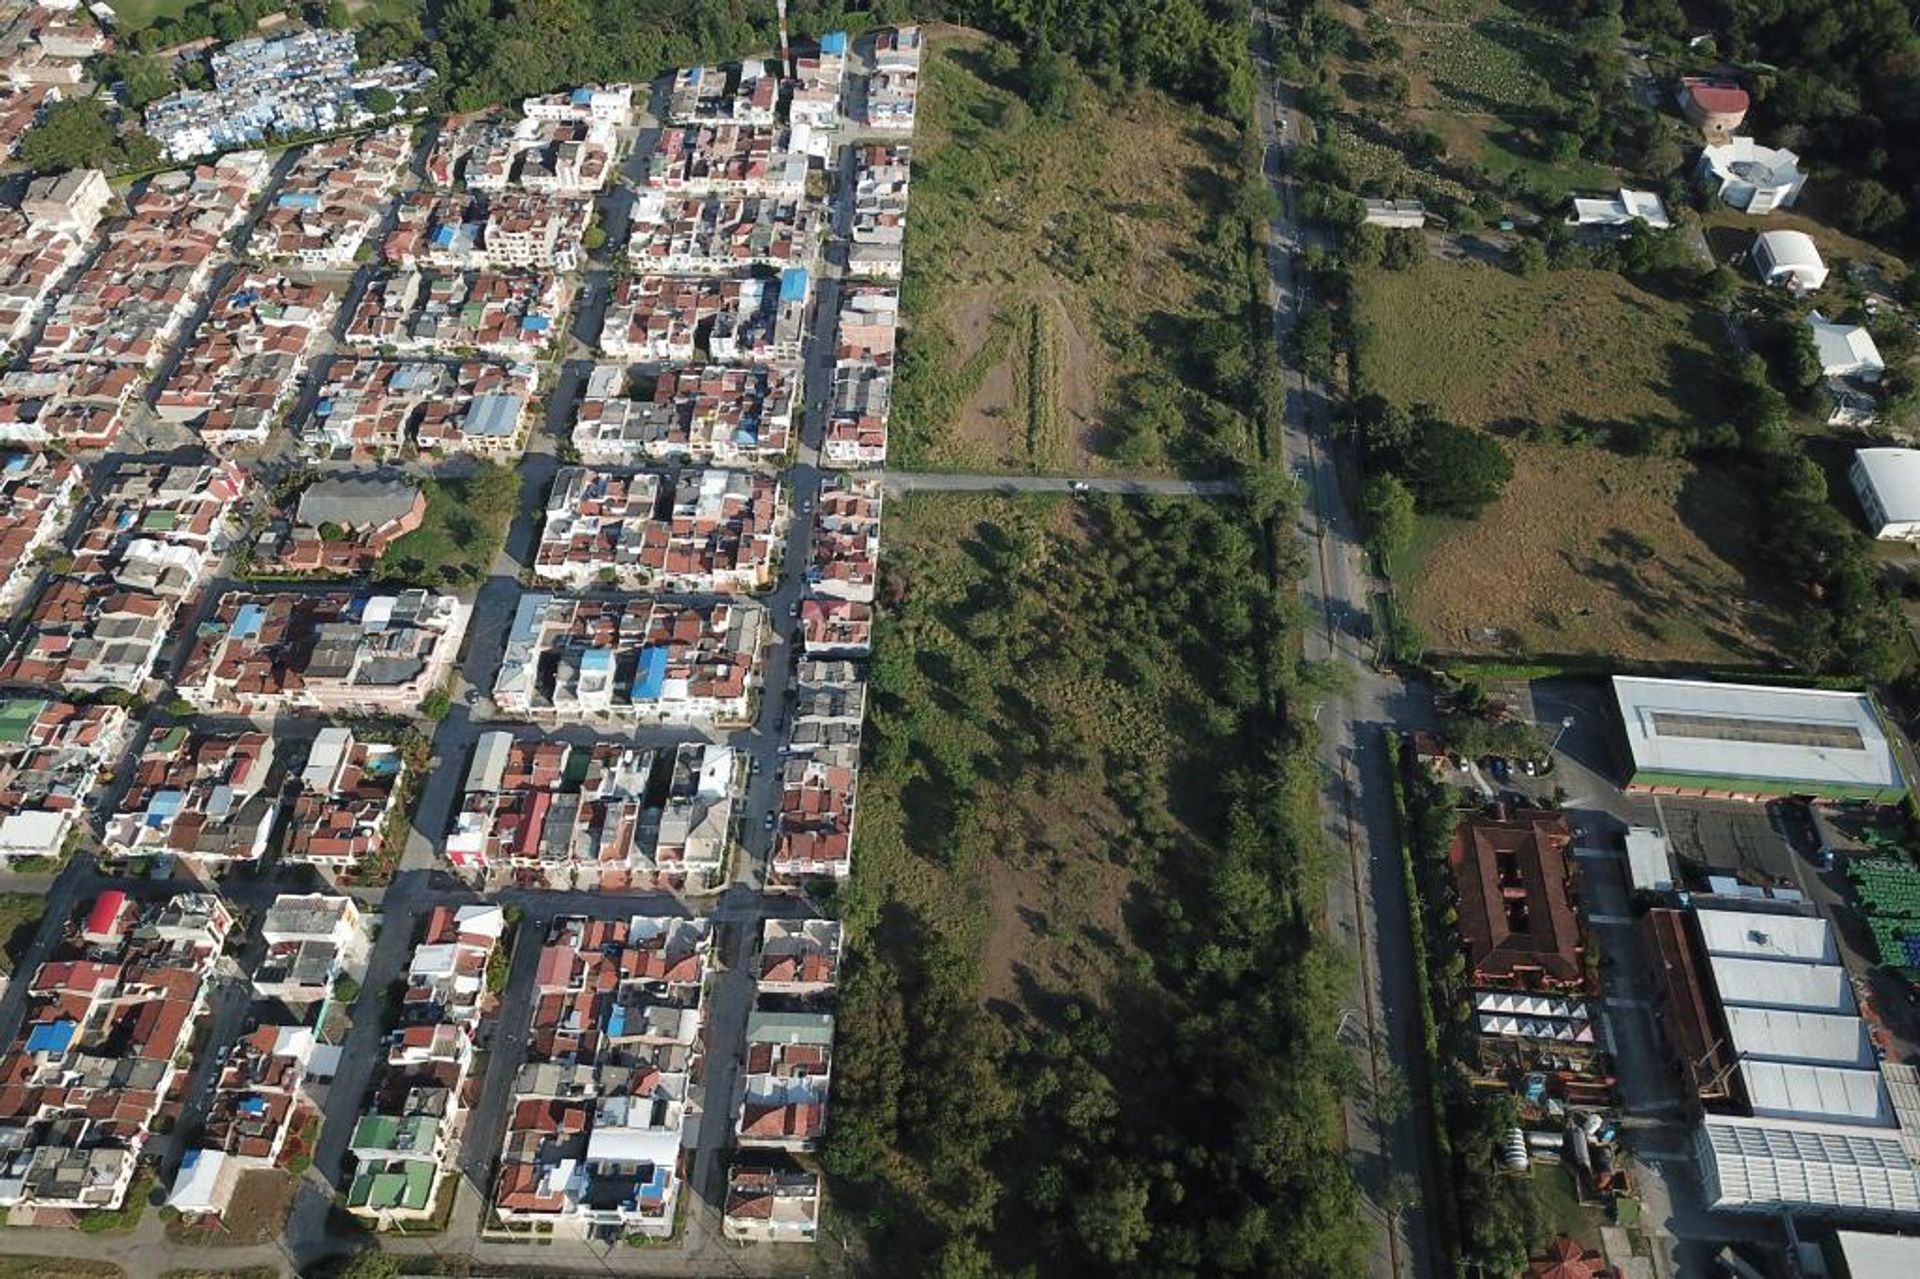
point(20, 915)
point(1578, 349)
point(1588, 551)
point(1050, 258)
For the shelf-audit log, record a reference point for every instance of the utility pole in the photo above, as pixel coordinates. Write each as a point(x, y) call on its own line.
point(786, 54)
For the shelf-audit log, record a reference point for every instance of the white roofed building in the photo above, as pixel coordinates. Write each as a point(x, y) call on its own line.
point(1887, 482)
point(1846, 350)
point(1749, 741)
point(1622, 209)
point(1749, 176)
point(1789, 259)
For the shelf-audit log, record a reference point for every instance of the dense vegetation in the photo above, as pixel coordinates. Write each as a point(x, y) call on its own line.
point(497, 50)
point(1177, 1111)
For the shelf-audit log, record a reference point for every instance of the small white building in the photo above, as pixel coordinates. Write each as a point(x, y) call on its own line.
point(1750, 177)
point(1788, 258)
point(1887, 482)
point(1846, 350)
point(1622, 209)
point(1401, 215)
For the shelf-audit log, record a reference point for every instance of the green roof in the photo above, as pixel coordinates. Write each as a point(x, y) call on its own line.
point(160, 521)
point(401, 1183)
point(17, 716)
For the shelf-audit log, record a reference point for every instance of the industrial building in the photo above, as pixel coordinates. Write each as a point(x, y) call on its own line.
point(1746, 741)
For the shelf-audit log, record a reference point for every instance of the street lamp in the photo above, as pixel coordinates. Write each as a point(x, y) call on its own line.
point(1565, 724)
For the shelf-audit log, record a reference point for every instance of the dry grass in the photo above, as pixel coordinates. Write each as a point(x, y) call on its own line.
point(261, 1201)
point(24, 1267)
point(1092, 218)
point(1493, 349)
point(1590, 553)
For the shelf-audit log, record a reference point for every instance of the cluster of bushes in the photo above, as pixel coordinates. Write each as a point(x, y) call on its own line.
point(1447, 469)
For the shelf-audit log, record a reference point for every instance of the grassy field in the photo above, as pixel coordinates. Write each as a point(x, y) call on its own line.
point(1052, 261)
point(20, 915)
point(1580, 349)
point(135, 14)
point(1587, 551)
point(466, 521)
point(20, 1266)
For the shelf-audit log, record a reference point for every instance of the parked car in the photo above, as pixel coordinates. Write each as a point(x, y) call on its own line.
point(1502, 771)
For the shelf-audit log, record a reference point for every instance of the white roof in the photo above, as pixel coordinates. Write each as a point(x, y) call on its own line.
point(1794, 1090)
point(1844, 348)
point(33, 832)
point(486, 920)
point(1894, 476)
point(1741, 932)
point(1647, 864)
point(1734, 731)
point(1789, 249)
point(1625, 207)
point(1813, 1165)
point(1871, 1256)
point(1774, 983)
point(1780, 1034)
point(634, 1145)
point(1750, 162)
point(197, 1187)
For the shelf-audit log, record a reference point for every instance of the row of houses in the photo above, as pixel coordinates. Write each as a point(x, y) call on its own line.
point(782, 1105)
point(601, 1113)
point(704, 531)
point(609, 816)
point(418, 1105)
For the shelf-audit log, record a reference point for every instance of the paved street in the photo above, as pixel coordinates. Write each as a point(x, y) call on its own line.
point(1367, 906)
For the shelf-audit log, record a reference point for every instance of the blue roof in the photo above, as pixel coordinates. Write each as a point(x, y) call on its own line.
point(253, 1105)
point(443, 235)
point(52, 1037)
point(581, 97)
point(655, 1186)
point(494, 414)
point(652, 678)
point(17, 462)
point(617, 1020)
point(793, 284)
point(536, 324)
point(165, 804)
point(597, 660)
point(834, 42)
point(247, 621)
point(298, 200)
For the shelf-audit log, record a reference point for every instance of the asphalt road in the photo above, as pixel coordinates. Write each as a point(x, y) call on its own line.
point(1367, 905)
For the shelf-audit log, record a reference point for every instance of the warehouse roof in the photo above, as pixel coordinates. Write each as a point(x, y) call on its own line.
point(1773, 983)
point(1782, 1034)
point(1818, 737)
point(1792, 1090)
point(1815, 1165)
point(1762, 936)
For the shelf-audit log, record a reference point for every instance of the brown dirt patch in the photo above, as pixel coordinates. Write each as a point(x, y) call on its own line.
point(258, 1213)
point(1590, 553)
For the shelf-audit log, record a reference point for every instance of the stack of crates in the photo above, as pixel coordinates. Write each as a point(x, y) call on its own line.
point(1889, 892)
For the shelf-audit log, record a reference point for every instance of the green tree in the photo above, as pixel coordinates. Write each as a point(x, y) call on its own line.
point(1404, 249)
point(1528, 257)
point(1111, 1219)
point(1389, 508)
point(339, 16)
point(75, 134)
point(379, 101)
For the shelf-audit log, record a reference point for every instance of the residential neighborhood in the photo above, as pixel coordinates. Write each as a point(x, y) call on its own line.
point(1381, 742)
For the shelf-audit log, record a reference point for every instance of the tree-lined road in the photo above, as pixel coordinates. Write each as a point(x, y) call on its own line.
point(941, 482)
